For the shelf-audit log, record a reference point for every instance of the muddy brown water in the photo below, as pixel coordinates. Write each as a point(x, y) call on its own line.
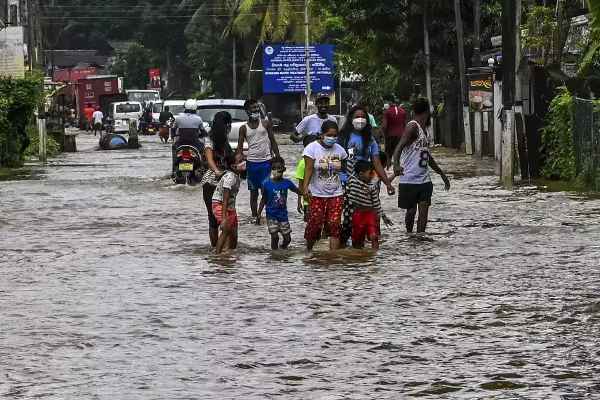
point(109, 290)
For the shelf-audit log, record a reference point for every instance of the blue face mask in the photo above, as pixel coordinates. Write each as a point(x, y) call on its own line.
point(329, 141)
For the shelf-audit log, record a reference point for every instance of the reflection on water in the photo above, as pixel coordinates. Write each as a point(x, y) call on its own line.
point(109, 290)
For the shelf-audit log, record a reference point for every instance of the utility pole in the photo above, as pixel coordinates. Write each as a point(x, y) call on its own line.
point(428, 68)
point(463, 79)
point(307, 53)
point(476, 62)
point(509, 68)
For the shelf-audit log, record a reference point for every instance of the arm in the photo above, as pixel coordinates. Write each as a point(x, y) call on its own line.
point(210, 159)
point(241, 140)
point(226, 194)
point(298, 191)
point(410, 134)
point(434, 166)
point(384, 125)
point(382, 175)
point(274, 146)
point(310, 165)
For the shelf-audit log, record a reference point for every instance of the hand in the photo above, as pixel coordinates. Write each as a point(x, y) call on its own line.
point(398, 171)
point(387, 221)
point(306, 195)
point(219, 173)
point(300, 208)
point(391, 190)
point(446, 182)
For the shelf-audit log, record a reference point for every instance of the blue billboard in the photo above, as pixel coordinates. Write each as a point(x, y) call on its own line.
point(284, 68)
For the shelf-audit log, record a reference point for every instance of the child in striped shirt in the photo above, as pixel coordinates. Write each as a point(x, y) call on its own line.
point(363, 195)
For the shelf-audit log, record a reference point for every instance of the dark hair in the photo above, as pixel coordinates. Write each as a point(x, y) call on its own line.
point(167, 108)
point(249, 103)
point(327, 125)
point(363, 166)
point(230, 160)
point(218, 132)
point(278, 160)
point(383, 157)
point(421, 106)
point(308, 139)
point(366, 134)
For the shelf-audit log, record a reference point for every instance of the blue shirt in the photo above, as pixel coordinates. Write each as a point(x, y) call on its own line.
point(354, 148)
point(275, 193)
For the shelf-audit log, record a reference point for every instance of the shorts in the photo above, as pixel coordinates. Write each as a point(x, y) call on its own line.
point(365, 225)
point(276, 227)
point(410, 195)
point(258, 172)
point(324, 212)
point(232, 218)
point(97, 126)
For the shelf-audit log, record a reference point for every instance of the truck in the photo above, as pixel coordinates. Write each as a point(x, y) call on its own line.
point(98, 91)
point(143, 96)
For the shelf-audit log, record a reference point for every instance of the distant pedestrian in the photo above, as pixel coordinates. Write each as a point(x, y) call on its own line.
point(274, 197)
point(323, 186)
point(412, 159)
point(88, 113)
point(394, 124)
point(224, 201)
point(262, 146)
point(311, 124)
point(363, 195)
point(98, 118)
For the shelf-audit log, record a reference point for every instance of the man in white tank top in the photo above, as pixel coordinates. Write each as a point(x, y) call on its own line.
point(262, 147)
point(412, 159)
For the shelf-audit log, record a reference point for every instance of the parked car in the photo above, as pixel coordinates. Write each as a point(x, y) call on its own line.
point(122, 113)
point(207, 109)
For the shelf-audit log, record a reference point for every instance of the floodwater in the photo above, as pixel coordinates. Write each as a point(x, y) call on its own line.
point(109, 290)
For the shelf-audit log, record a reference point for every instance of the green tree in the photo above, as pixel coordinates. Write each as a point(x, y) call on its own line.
point(133, 66)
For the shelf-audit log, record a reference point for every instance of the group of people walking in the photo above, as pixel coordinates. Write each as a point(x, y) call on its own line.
point(340, 176)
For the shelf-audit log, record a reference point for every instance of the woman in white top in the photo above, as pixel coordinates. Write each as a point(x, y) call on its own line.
point(412, 159)
point(323, 186)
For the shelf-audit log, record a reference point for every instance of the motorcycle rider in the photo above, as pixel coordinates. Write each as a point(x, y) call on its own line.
point(189, 128)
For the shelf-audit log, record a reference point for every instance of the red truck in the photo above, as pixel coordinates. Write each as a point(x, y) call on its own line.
point(98, 90)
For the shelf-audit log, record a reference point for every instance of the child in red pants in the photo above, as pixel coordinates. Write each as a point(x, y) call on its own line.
point(364, 197)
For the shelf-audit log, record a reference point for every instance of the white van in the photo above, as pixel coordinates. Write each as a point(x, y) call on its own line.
point(123, 112)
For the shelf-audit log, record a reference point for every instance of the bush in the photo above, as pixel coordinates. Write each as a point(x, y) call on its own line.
point(18, 100)
point(52, 146)
point(557, 139)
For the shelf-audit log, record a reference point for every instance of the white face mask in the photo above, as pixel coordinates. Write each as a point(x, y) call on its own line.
point(359, 123)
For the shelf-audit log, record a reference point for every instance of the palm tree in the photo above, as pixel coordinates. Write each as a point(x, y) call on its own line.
point(275, 19)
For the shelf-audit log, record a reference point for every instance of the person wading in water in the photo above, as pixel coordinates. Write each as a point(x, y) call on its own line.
point(412, 159)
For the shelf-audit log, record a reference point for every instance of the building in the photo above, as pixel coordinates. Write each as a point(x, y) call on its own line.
point(21, 17)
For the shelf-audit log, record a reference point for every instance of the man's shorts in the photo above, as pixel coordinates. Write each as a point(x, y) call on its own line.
point(97, 126)
point(258, 172)
point(276, 227)
point(410, 195)
point(365, 225)
point(324, 212)
point(232, 218)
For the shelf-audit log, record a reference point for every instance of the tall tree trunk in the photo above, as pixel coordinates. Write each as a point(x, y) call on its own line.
point(466, 122)
point(477, 33)
point(428, 64)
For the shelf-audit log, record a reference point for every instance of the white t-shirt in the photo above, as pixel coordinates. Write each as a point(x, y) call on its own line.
point(97, 116)
point(311, 124)
point(229, 181)
point(325, 181)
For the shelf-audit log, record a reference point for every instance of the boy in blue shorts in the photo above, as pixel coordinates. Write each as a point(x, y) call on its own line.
point(274, 197)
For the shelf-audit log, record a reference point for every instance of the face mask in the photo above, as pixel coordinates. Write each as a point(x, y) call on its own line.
point(359, 123)
point(254, 116)
point(277, 174)
point(329, 141)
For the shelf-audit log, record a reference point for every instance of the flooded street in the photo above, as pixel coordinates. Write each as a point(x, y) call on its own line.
point(109, 290)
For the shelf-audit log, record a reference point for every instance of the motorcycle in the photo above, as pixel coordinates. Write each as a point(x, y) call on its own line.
point(189, 167)
point(164, 131)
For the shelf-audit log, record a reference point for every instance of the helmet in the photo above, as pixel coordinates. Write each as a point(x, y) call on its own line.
point(190, 105)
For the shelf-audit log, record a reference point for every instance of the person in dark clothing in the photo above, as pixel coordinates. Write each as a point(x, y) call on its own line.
point(165, 116)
